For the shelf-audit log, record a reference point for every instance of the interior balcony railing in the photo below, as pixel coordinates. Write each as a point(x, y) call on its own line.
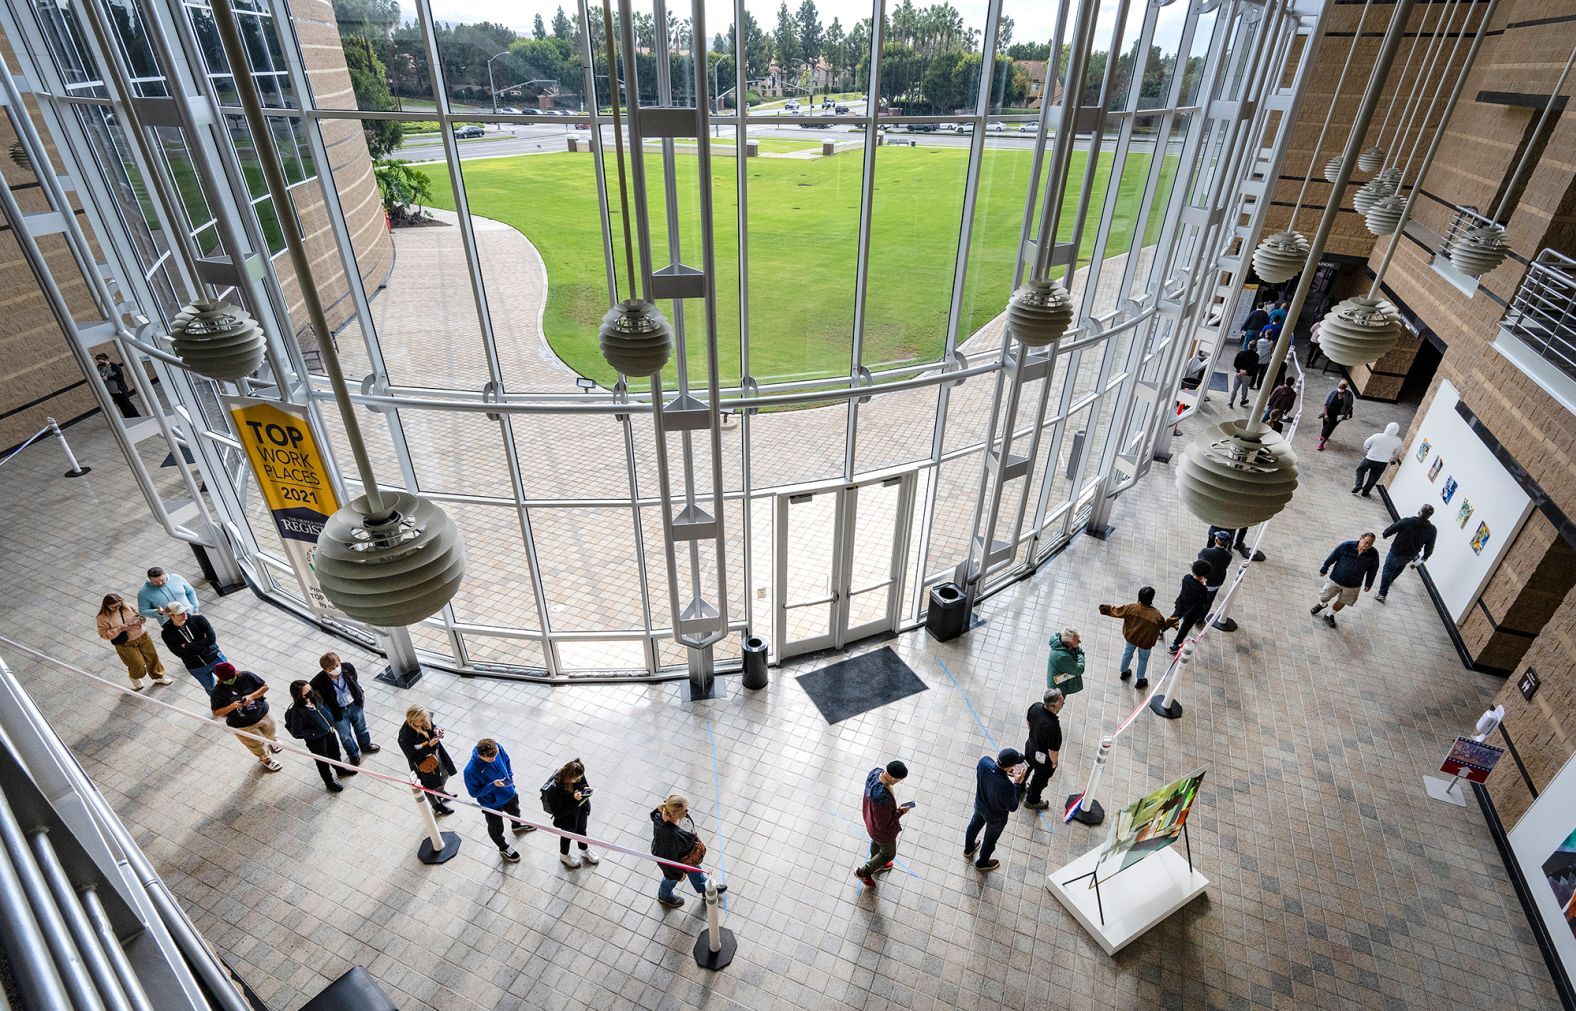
point(1538, 331)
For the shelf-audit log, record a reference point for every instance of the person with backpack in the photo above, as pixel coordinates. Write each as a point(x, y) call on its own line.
point(307, 720)
point(1142, 627)
point(567, 800)
point(673, 837)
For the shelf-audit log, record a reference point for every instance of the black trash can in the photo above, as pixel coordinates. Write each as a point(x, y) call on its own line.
point(754, 662)
point(948, 616)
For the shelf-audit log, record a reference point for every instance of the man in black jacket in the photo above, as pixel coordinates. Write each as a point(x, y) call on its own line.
point(191, 637)
point(1043, 749)
point(1351, 568)
point(1413, 534)
point(340, 690)
point(1218, 556)
point(1192, 602)
point(1245, 365)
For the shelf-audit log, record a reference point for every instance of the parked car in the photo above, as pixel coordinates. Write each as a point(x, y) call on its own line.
point(469, 130)
point(965, 127)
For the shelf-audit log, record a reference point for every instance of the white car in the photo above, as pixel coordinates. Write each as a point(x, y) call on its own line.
point(997, 128)
point(1027, 127)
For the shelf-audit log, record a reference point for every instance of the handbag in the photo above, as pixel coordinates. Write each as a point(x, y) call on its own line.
point(121, 639)
point(427, 766)
point(696, 854)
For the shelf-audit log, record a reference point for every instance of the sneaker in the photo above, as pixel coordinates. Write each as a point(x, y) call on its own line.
point(372, 749)
point(334, 788)
point(272, 765)
point(672, 903)
point(355, 759)
point(586, 856)
point(1125, 675)
point(1329, 620)
point(569, 860)
point(162, 680)
point(1040, 805)
point(865, 879)
point(884, 868)
point(523, 829)
point(1143, 683)
point(1242, 549)
point(968, 851)
point(1367, 495)
point(987, 865)
point(138, 684)
point(1356, 490)
point(437, 812)
point(1380, 598)
point(353, 772)
point(1316, 608)
point(511, 855)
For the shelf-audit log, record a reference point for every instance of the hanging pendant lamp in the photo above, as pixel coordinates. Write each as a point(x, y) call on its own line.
point(1370, 158)
point(1039, 313)
point(1370, 193)
point(217, 340)
point(1384, 216)
point(636, 339)
point(1479, 250)
point(1359, 331)
point(1280, 257)
point(1332, 169)
point(1234, 477)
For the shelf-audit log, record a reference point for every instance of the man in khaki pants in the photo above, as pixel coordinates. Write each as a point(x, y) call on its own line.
point(238, 697)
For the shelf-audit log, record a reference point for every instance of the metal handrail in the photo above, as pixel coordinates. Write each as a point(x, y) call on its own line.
point(1541, 315)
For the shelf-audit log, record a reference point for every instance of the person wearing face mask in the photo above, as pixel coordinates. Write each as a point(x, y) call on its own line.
point(191, 637)
point(340, 689)
point(238, 699)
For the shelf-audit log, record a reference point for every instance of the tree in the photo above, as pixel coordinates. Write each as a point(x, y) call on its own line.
point(810, 33)
point(1028, 50)
point(833, 49)
point(369, 80)
point(372, 19)
point(1004, 29)
point(785, 40)
point(856, 48)
point(563, 29)
point(538, 29)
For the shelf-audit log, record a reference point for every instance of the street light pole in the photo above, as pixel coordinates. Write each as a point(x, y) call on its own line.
point(492, 92)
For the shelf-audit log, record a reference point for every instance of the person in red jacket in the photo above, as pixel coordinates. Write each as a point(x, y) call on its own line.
point(882, 819)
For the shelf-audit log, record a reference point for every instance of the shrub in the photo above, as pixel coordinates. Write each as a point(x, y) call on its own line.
point(404, 190)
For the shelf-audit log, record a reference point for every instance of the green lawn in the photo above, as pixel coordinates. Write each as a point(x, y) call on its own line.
point(803, 231)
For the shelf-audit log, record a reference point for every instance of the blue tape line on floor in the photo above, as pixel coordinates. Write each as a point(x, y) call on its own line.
point(899, 864)
point(1049, 827)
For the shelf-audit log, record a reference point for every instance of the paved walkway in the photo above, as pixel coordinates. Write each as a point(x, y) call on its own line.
point(1335, 882)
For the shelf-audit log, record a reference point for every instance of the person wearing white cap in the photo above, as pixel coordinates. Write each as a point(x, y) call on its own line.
point(191, 637)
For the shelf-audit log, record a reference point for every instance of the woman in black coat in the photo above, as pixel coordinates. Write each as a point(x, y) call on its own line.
point(1337, 408)
point(567, 797)
point(422, 744)
point(673, 837)
point(308, 720)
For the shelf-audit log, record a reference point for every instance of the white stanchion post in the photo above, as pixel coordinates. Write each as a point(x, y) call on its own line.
point(439, 846)
point(716, 945)
point(1089, 811)
point(1165, 703)
point(77, 470)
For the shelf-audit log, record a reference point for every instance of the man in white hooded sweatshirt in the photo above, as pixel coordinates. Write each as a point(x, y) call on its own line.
point(1380, 450)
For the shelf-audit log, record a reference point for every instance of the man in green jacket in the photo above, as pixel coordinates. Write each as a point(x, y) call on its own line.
point(1066, 662)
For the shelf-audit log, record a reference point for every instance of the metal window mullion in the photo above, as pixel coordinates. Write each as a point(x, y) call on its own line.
point(594, 121)
point(1037, 159)
point(1092, 170)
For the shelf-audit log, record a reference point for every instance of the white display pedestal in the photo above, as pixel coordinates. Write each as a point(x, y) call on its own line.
point(1134, 900)
point(1447, 790)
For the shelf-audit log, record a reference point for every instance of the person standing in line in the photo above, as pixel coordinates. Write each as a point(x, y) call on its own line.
point(489, 778)
point(1263, 348)
point(1413, 534)
point(1351, 568)
point(1192, 604)
point(1278, 313)
point(883, 817)
point(114, 376)
point(1064, 668)
point(341, 691)
point(1218, 556)
point(1043, 749)
point(1283, 398)
point(1142, 627)
point(567, 798)
point(191, 637)
point(307, 720)
point(673, 837)
point(1243, 366)
point(1380, 450)
point(1337, 408)
point(1314, 333)
point(238, 699)
point(422, 744)
point(126, 630)
point(1236, 539)
point(161, 589)
point(998, 789)
point(1257, 320)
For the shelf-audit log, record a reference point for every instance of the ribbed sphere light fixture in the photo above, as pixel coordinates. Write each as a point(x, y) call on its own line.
point(390, 571)
point(1384, 217)
point(1332, 170)
point(1359, 331)
point(1389, 177)
point(1229, 478)
point(1370, 193)
point(1039, 313)
point(636, 339)
point(1280, 257)
point(1371, 158)
point(1479, 249)
point(217, 340)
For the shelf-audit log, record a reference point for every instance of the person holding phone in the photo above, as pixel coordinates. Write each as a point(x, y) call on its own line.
point(998, 791)
point(883, 817)
point(567, 797)
point(489, 778)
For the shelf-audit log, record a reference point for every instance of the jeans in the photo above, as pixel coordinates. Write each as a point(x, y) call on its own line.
point(1394, 565)
point(1368, 474)
point(204, 674)
point(1039, 779)
point(352, 729)
point(881, 854)
point(576, 823)
point(1239, 381)
point(1128, 649)
point(665, 890)
point(327, 747)
point(993, 831)
point(495, 822)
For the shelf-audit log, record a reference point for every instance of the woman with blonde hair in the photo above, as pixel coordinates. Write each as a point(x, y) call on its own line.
point(122, 626)
point(422, 743)
point(673, 837)
point(567, 797)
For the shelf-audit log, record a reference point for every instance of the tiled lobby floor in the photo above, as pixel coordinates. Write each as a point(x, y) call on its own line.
point(1335, 882)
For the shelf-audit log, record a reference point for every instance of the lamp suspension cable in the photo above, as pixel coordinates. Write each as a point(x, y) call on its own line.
point(618, 148)
point(1395, 94)
point(1414, 100)
point(1526, 154)
point(1439, 86)
point(1340, 82)
point(1433, 147)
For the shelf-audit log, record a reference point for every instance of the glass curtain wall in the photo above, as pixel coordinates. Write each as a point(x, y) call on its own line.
point(876, 175)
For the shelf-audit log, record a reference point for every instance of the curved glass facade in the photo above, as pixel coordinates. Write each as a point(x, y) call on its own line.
point(843, 427)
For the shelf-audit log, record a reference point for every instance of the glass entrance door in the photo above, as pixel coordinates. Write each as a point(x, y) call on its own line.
point(840, 562)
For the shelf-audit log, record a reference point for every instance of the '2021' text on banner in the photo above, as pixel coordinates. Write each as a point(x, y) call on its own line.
point(293, 477)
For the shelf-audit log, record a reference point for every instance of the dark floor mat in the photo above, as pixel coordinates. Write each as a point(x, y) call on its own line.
point(849, 687)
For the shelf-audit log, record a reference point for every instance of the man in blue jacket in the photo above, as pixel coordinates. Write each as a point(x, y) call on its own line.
point(161, 589)
point(1351, 569)
point(998, 790)
point(489, 778)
